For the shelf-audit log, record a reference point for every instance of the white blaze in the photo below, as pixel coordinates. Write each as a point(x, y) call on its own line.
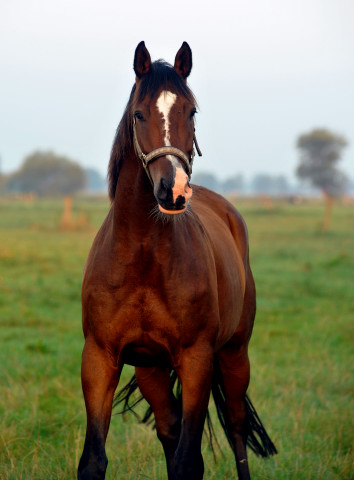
point(164, 104)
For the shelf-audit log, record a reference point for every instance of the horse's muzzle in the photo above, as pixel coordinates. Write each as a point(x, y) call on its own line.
point(173, 199)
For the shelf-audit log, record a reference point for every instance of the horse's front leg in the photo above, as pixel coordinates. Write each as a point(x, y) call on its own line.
point(196, 375)
point(99, 378)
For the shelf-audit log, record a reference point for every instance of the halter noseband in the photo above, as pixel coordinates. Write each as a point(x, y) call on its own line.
point(148, 158)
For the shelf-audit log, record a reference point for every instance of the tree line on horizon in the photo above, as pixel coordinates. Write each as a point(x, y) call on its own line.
point(45, 173)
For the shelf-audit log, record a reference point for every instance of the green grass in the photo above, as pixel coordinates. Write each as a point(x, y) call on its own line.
point(301, 350)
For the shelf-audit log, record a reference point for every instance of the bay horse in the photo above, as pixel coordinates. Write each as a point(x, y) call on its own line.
point(167, 286)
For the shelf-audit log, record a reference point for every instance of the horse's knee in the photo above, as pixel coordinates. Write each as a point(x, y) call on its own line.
point(168, 431)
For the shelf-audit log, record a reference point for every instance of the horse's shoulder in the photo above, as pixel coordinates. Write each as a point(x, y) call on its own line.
point(97, 257)
point(219, 205)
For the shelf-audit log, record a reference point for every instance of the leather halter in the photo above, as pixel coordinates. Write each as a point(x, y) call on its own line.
point(147, 158)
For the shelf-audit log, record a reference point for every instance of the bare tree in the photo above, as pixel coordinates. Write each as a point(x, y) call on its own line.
point(320, 151)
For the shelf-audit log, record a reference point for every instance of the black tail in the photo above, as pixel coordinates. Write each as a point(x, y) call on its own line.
point(123, 397)
point(257, 438)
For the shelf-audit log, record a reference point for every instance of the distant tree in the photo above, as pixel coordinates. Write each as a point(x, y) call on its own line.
point(281, 185)
point(233, 184)
point(45, 173)
point(207, 180)
point(263, 183)
point(320, 150)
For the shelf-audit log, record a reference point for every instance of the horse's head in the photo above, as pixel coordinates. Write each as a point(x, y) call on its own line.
point(163, 109)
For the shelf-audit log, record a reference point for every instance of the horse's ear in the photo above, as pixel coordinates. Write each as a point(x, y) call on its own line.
point(142, 60)
point(183, 60)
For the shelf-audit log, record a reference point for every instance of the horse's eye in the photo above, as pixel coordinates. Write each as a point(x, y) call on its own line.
point(139, 116)
point(193, 112)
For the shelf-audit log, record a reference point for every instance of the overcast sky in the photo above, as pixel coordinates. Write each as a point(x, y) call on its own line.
point(263, 73)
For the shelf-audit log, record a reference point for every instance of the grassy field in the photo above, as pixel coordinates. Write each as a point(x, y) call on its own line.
point(301, 350)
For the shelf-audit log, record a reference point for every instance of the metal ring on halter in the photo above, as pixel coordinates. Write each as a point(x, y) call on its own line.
point(147, 158)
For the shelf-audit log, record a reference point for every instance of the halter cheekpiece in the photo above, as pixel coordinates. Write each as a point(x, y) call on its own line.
point(147, 158)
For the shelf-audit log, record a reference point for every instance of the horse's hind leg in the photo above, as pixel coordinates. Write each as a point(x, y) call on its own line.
point(233, 362)
point(234, 369)
point(155, 385)
point(99, 380)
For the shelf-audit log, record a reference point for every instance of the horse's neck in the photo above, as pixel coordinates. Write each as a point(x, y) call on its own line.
point(135, 232)
point(133, 203)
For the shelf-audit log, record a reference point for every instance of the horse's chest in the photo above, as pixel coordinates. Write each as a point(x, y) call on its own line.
point(150, 326)
point(152, 301)
point(159, 283)
point(165, 302)
point(154, 306)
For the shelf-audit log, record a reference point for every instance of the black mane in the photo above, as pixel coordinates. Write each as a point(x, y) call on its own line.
point(160, 74)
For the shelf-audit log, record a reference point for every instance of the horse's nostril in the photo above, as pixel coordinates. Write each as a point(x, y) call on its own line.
point(180, 202)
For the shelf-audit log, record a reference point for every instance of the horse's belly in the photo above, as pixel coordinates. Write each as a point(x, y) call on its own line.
point(146, 356)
